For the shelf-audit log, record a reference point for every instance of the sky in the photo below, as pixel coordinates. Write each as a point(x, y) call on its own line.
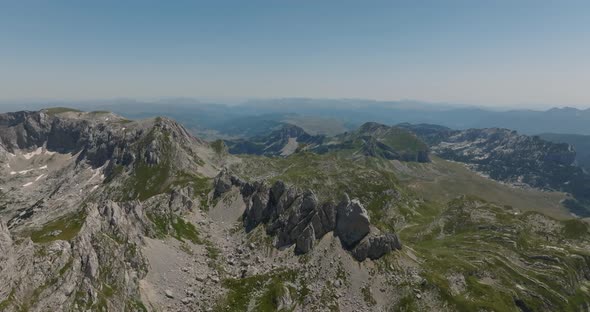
point(492, 53)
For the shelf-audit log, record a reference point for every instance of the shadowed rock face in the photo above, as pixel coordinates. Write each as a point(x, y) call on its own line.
point(375, 247)
point(296, 217)
point(352, 222)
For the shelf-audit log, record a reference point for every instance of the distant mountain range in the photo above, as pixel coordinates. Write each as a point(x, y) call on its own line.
point(257, 116)
point(371, 139)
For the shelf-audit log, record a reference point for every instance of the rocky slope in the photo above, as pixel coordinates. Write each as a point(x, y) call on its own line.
point(507, 156)
point(297, 218)
point(460, 253)
point(101, 213)
point(281, 142)
point(88, 198)
point(371, 139)
point(80, 191)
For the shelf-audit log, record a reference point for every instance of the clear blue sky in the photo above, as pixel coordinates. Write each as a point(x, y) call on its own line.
point(474, 52)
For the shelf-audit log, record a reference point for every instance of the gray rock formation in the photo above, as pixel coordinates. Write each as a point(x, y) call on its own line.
point(306, 240)
point(297, 218)
point(77, 193)
point(375, 247)
point(5, 237)
point(352, 222)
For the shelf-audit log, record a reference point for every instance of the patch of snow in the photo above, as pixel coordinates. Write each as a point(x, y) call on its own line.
point(27, 184)
point(39, 177)
point(43, 167)
point(95, 173)
point(30, 155)
point(12, 172)
point(94, 188)
point(553, 247)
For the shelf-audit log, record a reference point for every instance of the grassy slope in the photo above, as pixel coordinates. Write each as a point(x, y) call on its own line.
point(502, 256)
point(401, 139)
point(441, 181)
point(60, 110)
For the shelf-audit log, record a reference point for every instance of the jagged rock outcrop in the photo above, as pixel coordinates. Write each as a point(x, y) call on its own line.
point(97, 137)
point(352, 222)
point(81, 192)
point(297, 218)
point(375, 247)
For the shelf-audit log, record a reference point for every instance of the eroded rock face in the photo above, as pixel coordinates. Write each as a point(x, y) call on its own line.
point(296, 217)
point(5, 237)
point(91, 195)
point(352, 222)
point(5, 243)
point(306, 240)
point(97, 138)
point(375, 247)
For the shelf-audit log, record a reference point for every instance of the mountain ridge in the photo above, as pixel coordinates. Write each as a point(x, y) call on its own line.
point(124, 215)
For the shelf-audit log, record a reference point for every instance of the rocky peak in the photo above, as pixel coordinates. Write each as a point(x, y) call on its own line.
point(372, 127)
point(96, 137)
point(291, 131)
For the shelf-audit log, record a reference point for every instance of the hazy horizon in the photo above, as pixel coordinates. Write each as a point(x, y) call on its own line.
point(233, 101)
point(530, 54)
